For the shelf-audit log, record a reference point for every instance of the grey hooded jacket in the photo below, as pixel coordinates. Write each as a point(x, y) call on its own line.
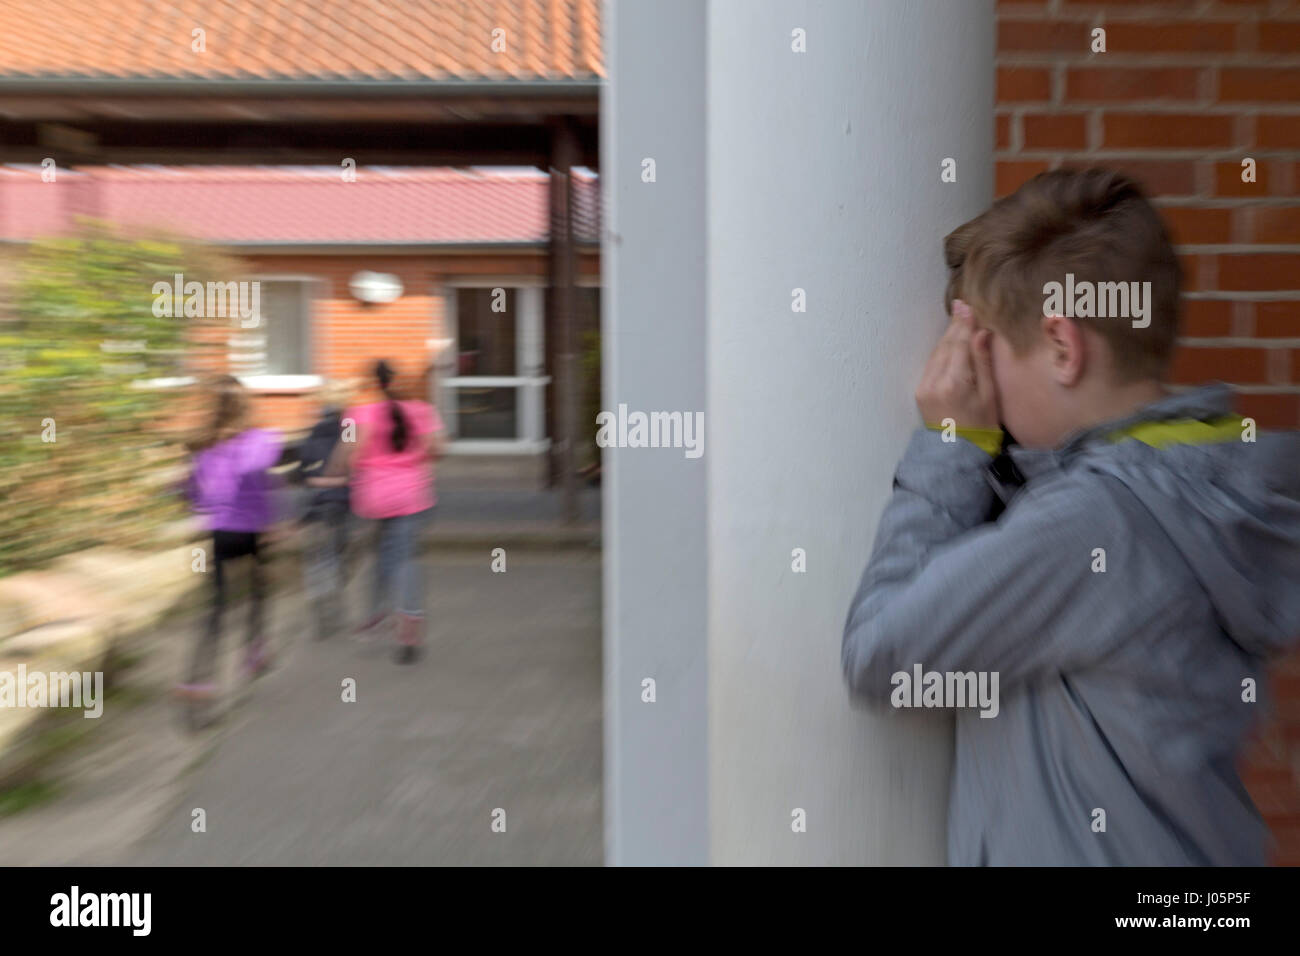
point(1120, 690)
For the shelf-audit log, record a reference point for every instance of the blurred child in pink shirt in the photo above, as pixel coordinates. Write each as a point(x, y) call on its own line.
point(391, 481)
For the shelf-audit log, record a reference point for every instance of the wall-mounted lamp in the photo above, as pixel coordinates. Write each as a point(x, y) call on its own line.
point(375, 287)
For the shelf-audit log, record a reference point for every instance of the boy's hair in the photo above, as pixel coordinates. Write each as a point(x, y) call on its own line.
point(1096, 224)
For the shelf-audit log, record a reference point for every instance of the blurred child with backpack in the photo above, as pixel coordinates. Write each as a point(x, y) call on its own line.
point(325, 514)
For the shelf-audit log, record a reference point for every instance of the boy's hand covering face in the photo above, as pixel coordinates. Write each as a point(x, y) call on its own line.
point(958, 380)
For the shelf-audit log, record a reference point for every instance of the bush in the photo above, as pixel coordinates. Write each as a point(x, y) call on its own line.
point(77, 338)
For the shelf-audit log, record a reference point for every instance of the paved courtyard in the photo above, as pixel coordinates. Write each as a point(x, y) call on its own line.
point(503, 713)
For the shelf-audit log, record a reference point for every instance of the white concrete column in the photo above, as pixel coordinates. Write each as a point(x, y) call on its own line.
point(824, 176)
point(821, 174)
point(653, 341)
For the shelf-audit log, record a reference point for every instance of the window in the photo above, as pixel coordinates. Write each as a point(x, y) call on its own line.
point(487, 323)
point(493, 395)
point(486, 338)
point(487, 412)
point(280, 345)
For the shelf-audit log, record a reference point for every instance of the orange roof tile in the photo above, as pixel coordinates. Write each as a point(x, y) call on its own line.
point(302, 39)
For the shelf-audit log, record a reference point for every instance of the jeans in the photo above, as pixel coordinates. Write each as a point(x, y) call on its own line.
point(228, 546)
point(397, 568)
point(324, 562)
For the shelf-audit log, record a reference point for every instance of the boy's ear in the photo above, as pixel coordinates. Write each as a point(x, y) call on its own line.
point(1064, 339)
point(952, 292)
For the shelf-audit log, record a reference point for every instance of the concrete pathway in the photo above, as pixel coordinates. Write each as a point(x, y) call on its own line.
point(502, 713)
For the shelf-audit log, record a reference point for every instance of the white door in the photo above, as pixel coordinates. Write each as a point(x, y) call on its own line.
point(491, 381)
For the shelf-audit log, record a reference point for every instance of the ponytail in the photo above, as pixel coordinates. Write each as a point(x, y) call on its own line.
point(401, 430)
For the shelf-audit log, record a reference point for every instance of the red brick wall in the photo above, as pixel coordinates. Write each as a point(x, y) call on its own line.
point(1184, 92)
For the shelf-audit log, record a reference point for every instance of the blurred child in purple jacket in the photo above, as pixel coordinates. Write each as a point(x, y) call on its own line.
point(231, 487)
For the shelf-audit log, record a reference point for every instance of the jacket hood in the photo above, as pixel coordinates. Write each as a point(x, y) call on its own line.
point(1230, 506)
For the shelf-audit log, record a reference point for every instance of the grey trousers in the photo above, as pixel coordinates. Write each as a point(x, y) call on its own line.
point(397, 566)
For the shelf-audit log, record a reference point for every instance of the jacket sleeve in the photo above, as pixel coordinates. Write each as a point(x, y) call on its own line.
point(267, 452)
point(954, 593)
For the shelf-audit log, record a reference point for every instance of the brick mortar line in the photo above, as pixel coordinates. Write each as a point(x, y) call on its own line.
point(1247, 389)
point(1155, 13)
point(1290, 110)
point(1217, 295)
point(1264, 61)
point(1237, 341)
point(1133, 59)
point(1205, 10)
point(1078, 155)
point(1222, 202)
point(1138, 104)
point(1235, 248)
point(1283, 154)
point(1236, 51)
point(1136, 107)
point(1217, 155)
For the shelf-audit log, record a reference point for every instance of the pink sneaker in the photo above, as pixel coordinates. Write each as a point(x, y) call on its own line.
point(410, 637)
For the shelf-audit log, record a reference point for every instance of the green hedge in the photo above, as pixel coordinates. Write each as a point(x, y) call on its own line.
point(76, 337)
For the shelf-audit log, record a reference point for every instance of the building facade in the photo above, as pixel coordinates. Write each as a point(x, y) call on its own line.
point(441, 270)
